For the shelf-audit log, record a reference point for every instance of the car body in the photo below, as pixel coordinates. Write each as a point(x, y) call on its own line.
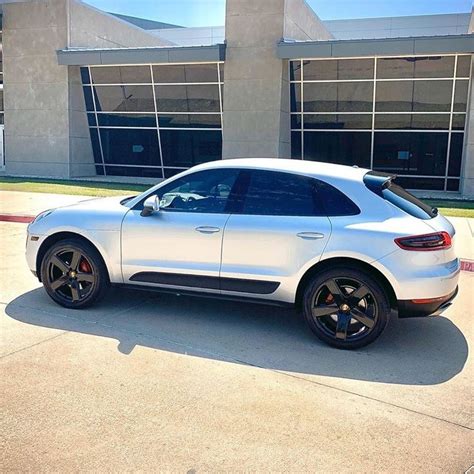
point(263, 229)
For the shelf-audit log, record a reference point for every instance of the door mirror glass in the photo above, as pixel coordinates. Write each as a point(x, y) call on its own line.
point(151, 205)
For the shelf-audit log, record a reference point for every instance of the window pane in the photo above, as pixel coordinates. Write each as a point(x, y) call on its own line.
point(338, 97)
point(295, 121)
point(190, 147)
point(335, 121)
point(271, 193)
point(204, 191)
point(121, 74)
point(338, 69)
point(127, 120)
point(435, 184)
point(346, 148)
point(190, 121)
point(464, 66)
point(187, 98)
point(133, 171)
point(185, 73)
point(85, 75)
point(453, 185)
point(295, 97)
point(130, 147)
point(417, 96)
point(455, 154)
point(295, 70)
point(459, 121)
point(296, 145)
point(91, 120)
point(95, 145)
point(412, 121)
point(433, 66)
point(88, 98)
point(460, 96)
point(415, 153)
point(124, 98)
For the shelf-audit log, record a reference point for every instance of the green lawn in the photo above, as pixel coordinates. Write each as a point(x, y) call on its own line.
point(88, 188)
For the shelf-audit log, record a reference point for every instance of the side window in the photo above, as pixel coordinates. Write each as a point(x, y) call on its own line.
point(333, 201)
point(273, 193)
point(204, 191)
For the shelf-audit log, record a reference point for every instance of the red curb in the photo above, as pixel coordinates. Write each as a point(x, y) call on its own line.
point(12, 218)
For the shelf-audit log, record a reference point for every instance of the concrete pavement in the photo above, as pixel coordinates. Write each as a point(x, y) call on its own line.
point(147, 382)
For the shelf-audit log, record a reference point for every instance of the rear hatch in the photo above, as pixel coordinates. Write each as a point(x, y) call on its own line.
point(382, 184)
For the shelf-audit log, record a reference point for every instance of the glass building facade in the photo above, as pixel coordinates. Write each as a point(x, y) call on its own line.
point(402, 115)
point(153, 120)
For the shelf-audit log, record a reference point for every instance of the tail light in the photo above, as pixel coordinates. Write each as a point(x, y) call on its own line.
point(435, 241)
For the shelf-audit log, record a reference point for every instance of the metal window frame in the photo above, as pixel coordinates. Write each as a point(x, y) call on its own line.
point(156, 113)
point(449, 131)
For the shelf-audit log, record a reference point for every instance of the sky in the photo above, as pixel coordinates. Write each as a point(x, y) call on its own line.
point(212, 12)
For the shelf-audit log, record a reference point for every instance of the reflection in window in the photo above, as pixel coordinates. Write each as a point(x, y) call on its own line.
point(199, 98)
point(121, 75)
point(124, 98)
point(337, 121)
point(412, 121)
point(185, 73)
point(414, 153)
point(397, 68)
point(338, 97)
point(338, 69)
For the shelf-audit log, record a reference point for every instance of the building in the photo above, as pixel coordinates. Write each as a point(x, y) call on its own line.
point(88, 94)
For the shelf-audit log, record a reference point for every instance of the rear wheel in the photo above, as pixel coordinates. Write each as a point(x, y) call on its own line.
point(346, 307)
point(73, 274)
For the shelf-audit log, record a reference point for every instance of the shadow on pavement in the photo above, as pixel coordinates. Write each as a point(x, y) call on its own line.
point(415, 351)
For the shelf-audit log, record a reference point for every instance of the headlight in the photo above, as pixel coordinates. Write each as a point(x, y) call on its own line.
point(42, 215)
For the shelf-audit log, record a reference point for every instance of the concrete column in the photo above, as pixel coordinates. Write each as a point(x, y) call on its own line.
point(256, 89)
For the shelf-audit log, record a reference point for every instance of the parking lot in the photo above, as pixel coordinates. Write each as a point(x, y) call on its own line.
point(148, 382)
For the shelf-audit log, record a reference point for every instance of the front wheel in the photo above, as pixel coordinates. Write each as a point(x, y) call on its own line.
point(346, 307)
point(74, 274)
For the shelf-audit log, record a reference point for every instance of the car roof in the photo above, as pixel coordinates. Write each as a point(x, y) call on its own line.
point(312, 168)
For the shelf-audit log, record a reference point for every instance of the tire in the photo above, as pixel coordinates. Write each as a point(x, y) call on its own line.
point(345, 307)
point(74, 274)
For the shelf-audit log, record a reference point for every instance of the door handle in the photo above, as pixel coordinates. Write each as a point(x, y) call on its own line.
point(207, 229)
point(310, 235)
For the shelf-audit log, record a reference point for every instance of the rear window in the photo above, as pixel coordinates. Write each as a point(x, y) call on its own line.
point(383, 185)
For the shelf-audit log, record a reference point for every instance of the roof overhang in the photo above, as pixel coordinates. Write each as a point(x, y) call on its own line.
point(376, 47)
point(165, 54)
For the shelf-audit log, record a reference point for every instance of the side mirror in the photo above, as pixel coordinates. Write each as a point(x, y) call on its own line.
point(151, 205)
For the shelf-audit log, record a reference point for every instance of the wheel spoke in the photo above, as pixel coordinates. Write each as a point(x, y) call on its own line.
point(357, 295)
point(57, 262)
point(61, 281)
point(74, 291)
point(363, 318)
point(343, 321)
point(76, 258)
point(88, 277)
point(321, 311)
point(335, 291)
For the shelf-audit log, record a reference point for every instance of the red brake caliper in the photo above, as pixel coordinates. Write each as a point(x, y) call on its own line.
point(85, 266)
point(329, 299)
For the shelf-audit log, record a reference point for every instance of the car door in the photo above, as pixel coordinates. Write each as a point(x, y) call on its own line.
point(180, 244)
point(277, 231)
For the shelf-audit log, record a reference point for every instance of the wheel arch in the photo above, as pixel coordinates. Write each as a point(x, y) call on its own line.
point(57, 237)
point(348, 261)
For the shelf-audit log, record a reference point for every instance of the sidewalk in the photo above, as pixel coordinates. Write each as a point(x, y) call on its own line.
point(20, 204)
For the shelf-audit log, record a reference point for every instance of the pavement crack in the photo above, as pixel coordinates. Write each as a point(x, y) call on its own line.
point(33, 345)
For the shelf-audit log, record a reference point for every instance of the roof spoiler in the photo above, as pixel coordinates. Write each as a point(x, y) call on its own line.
point(377, 181)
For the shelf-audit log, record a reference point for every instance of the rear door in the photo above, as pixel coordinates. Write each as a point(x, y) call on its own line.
point(275, 231)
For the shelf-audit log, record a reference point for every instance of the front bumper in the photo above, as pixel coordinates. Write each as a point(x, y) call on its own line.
point(413, 309)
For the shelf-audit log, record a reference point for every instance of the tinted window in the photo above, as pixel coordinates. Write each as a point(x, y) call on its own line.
point(338, 69)
point(383, 186)
point(271, 193)
point(338, 97)
point(333, 201)
point(204, 191)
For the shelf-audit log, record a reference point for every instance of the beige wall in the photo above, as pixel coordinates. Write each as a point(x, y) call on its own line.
point(46, 131)
point(256, 92)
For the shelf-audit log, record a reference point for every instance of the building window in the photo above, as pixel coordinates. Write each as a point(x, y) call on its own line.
point(400, 115)
point(153, 120)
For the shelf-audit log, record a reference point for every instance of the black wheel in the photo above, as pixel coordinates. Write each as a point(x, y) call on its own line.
point(73, 274)
point(346, 308)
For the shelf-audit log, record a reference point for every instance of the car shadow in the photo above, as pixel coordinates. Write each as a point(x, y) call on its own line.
point(422, 351)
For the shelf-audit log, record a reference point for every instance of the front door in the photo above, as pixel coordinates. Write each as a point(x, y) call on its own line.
point(180, 245)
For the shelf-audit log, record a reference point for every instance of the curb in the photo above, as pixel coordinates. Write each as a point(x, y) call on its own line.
point(466, 265)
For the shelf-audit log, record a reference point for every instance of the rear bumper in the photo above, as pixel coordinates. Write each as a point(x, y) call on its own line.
point(412, 309)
